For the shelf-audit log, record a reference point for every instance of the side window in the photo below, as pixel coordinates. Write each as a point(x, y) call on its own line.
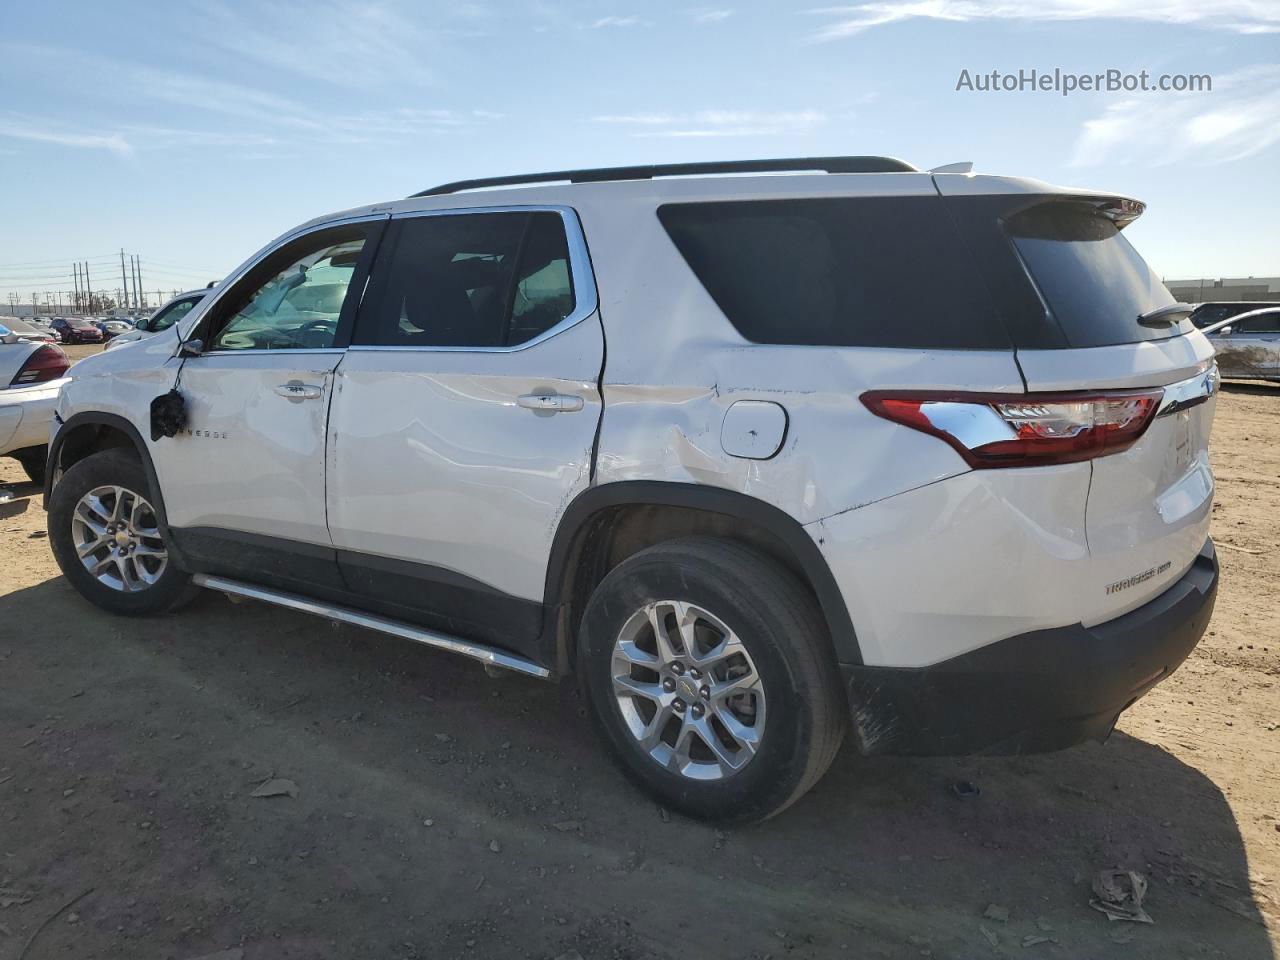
point(294, 299)
point(544, 286)
point(837, 272)
point(470, 280)
point(1267, 323)
point(171, 315)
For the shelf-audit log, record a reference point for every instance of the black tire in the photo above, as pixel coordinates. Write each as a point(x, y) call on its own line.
point(121, 468)
point(778, 622)
point(32, 461)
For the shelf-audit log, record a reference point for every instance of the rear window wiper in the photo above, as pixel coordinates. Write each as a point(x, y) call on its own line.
point(1153, 318)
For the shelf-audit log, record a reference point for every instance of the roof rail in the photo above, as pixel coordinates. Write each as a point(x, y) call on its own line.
point(649, 171)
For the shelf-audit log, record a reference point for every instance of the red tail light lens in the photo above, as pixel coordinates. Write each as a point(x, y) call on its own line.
point(46, 363)
point(1022, 430)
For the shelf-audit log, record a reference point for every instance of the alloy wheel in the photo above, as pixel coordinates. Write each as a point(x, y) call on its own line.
point(688, 691)
point(116, 535)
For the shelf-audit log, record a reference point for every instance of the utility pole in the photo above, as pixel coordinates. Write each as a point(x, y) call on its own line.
point(138, 293)
point(88, 290)
point(124, 281)
point(75, 278)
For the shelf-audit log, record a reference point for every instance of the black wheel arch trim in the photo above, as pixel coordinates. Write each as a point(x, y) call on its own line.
point(575, 524)
point(93, 418)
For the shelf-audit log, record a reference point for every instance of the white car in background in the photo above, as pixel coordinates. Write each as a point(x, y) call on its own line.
point(31, 374)
point(162, 319)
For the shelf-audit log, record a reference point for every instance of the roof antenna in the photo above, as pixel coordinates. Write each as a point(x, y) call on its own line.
point(964, 166)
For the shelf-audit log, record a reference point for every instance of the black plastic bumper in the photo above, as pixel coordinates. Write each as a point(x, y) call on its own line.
point(1035, 692)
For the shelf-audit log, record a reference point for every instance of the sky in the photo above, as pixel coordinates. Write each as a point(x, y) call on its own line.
point(191, 134)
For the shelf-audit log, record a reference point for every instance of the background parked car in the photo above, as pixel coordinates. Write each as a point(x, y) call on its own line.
point(1208, 314)
point(77, 330)
point(112, 328)
point(26, 330)
point(1247, 344)
point(31, 374)
point(162, 319)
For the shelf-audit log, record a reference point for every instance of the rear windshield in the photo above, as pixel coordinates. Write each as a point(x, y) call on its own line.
point(1093, 281)
point(865, 271)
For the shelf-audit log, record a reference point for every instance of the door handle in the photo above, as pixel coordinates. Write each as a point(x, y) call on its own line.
point(296, 390)
point(550, 402)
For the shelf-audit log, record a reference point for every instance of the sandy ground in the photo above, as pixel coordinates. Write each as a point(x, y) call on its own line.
point(441, 813)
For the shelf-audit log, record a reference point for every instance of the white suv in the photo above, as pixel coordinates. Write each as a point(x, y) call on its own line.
point(764, 460)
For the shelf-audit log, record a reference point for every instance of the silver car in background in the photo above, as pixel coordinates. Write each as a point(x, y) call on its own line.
point(162, 319)
point(1248, 345)
point(31, 374)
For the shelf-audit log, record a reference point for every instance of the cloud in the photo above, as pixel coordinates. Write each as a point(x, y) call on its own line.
point(710, 16)
point(36, 131)
point(358, 45)
point(260, 118)
point(1239, 118)
point(1241, 16)
point(616, 22)
point(716, 123)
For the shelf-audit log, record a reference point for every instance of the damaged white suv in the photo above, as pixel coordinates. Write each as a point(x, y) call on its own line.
point(763, 460)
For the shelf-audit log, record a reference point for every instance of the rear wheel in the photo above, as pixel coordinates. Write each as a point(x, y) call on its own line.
point(106, 537)
point(709, 671)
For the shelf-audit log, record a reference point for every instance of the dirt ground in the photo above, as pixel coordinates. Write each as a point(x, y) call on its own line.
point(441, 813)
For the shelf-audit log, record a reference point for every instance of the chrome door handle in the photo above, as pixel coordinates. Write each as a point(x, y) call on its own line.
point(297, 390)
point(550, 402)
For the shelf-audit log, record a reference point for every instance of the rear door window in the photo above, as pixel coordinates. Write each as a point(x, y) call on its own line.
point(862, 271)
point(1267, 323)
point(470, 280)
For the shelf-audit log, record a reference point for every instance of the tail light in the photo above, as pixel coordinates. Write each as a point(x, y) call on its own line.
point(1023, 430)
point(46, 363)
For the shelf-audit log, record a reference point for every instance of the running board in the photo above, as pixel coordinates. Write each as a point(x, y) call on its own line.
point(396, 628)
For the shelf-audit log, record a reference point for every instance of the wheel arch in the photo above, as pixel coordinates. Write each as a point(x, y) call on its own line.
point(91, 432)
point(605, 524)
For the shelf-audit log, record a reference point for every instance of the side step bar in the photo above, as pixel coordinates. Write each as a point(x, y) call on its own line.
point(476, 651)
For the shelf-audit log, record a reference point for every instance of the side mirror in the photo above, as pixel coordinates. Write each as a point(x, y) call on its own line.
point(191, 348)
point(1225, 331)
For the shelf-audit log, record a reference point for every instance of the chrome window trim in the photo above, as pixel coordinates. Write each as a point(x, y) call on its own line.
point(210, 302)
point(291, 351)
point(586, 297)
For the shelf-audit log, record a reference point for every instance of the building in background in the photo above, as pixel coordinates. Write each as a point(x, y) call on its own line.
point(1206, 290)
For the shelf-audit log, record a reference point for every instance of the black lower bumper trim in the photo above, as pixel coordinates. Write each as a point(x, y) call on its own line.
point(1038, 691)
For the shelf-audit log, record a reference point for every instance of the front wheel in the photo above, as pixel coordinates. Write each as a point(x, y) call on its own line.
point(106, 537)
point(711, 676)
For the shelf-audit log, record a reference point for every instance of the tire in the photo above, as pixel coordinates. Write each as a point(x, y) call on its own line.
point(796, 710)
point(33, 462)
point(153, 587)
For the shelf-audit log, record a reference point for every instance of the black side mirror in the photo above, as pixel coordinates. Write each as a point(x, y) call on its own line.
point(191, 348)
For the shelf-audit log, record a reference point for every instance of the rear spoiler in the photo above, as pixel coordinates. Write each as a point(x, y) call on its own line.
point(1121, 209)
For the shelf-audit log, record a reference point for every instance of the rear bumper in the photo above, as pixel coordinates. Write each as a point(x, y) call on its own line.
point(1038, 691)
point(25, 413)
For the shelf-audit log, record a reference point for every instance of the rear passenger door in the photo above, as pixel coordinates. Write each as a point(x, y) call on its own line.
point(464, 416)
point(1249, 348)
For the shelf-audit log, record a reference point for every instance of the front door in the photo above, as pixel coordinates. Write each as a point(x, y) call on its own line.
point(464, 418)
point(249, 467)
